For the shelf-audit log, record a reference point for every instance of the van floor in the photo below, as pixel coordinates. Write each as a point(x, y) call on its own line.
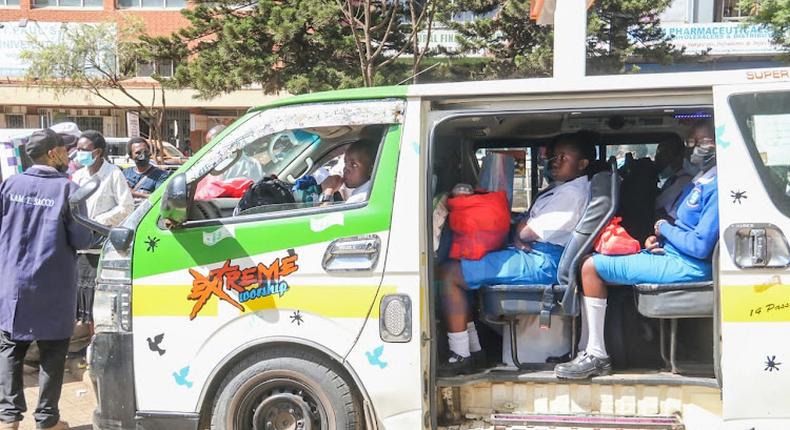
point(546, 376)
point(504, 398)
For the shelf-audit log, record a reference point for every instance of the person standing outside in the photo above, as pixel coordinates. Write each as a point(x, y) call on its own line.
point(37, 303)
point(143, 178)
point(109, 205)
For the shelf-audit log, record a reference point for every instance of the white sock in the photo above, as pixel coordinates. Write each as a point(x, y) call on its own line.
point(474, 341)
point(459, 343)
point(595, 309)
point(585, 337)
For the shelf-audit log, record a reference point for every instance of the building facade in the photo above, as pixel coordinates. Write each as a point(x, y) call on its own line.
point(25, 105)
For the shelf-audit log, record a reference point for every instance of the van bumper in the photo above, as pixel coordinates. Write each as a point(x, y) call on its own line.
point(112, 375)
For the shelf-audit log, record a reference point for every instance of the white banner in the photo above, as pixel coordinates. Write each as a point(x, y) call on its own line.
point(722, 38)
point(132, 124)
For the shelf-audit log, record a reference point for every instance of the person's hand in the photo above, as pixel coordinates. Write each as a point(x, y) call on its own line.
point(653, 245)
point(331, 184)
point(520, 244)
point(657, 226)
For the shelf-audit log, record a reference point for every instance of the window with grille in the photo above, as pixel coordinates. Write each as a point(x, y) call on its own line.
point(151, 4)
point(15, 121)
point(66, 3)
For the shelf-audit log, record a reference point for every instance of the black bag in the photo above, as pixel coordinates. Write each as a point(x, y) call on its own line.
point(638, 193)
point(268, 194)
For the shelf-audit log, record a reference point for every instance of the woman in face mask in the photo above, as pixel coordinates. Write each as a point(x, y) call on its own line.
point(680, 251)
point(143, 178)
point(675, 172)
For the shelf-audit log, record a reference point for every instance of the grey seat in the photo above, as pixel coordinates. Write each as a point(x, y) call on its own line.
point(504, 303)
point(672, 302)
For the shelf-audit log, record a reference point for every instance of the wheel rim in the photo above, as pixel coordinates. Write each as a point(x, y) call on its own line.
point(281, 403)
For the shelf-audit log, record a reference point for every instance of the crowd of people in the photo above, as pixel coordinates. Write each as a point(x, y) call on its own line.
point(41, 234)
point(685, 232)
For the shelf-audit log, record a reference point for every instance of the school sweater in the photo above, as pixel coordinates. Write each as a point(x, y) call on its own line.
point(696, 228)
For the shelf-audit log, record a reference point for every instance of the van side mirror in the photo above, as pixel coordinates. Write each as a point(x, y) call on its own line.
point(78, 198)
point(175, 201)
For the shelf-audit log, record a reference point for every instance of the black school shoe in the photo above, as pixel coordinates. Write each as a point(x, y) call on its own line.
point(456, 365)
point(583, 366)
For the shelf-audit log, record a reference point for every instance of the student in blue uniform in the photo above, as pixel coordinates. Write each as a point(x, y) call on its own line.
point(538, 242)
point(678, 252)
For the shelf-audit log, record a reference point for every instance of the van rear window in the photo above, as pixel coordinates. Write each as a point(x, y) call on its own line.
point(764, 122)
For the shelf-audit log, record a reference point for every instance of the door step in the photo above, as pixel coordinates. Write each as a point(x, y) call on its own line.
point(586, 421)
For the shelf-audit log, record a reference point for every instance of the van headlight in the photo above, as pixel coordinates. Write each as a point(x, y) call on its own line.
point(112, 308)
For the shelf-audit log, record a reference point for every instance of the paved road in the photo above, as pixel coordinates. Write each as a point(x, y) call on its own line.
point(77, 400)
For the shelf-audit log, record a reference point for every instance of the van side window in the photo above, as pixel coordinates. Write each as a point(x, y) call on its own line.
point(764, 123)
point(290, 170)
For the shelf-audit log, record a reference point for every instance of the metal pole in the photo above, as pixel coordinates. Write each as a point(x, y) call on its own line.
point(570, 39)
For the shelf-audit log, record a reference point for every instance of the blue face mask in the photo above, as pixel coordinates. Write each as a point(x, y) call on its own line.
point(85, 158)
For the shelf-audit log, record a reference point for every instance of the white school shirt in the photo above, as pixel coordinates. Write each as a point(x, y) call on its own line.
point(555, 213)
point(113, 201)
point(358, 194)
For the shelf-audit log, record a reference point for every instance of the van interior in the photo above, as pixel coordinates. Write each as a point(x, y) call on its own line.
point(672, 345)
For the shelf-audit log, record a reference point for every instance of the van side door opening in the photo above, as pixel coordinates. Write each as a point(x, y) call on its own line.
point(458, 144)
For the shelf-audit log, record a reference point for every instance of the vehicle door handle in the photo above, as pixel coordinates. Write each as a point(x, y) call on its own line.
point(352, 254)
point(759, 245)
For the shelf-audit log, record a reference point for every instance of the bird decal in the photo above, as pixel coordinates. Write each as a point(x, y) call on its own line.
point(374, 357)
point(153, 345)
point(181, 377)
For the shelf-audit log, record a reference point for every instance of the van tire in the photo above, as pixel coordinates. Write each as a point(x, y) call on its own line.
point(290, 384)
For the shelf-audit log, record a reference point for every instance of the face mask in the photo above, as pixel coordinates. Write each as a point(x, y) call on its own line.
point(701, 156)
point(142, 159)
point(85, 158)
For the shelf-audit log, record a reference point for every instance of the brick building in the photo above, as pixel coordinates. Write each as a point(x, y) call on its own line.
point(23, 105)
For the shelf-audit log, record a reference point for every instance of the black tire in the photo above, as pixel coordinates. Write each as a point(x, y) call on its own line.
point(282, 387)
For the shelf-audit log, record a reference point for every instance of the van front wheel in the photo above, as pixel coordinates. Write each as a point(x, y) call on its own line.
point(294, 391)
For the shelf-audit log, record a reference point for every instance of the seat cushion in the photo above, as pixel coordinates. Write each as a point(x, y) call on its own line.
point(680, 300)
point(497, 301)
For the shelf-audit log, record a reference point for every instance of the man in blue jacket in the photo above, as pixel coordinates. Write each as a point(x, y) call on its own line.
point(38, 294)
point(678, 252)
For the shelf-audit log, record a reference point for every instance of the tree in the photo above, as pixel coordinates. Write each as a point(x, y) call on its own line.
point(296, 45)
point(775, 14)
point(383, 30)
point(623, 30)
point(617, 31)
point(98, 58)
point(513, 45)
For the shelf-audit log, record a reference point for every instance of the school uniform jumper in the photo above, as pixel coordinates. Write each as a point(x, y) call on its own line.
point(688, 244)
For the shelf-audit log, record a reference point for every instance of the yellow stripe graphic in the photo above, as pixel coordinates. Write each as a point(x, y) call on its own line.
point(338, 301)
point(755, 303)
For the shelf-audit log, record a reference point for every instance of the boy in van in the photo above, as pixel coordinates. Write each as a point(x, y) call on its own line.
point(354, 185)
point(678, 252)
point(538, 242)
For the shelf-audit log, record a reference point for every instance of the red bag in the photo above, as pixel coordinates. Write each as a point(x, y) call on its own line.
point(614, 240)
point(211, 187)
point(480, 223)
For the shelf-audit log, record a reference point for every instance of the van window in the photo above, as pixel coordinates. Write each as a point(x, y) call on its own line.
point(764, 123)
point(290, 170)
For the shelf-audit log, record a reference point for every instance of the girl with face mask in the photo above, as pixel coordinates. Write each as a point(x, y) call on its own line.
point(680, 251)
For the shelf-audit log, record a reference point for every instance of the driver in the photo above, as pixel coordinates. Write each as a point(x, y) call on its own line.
point(354, 185)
